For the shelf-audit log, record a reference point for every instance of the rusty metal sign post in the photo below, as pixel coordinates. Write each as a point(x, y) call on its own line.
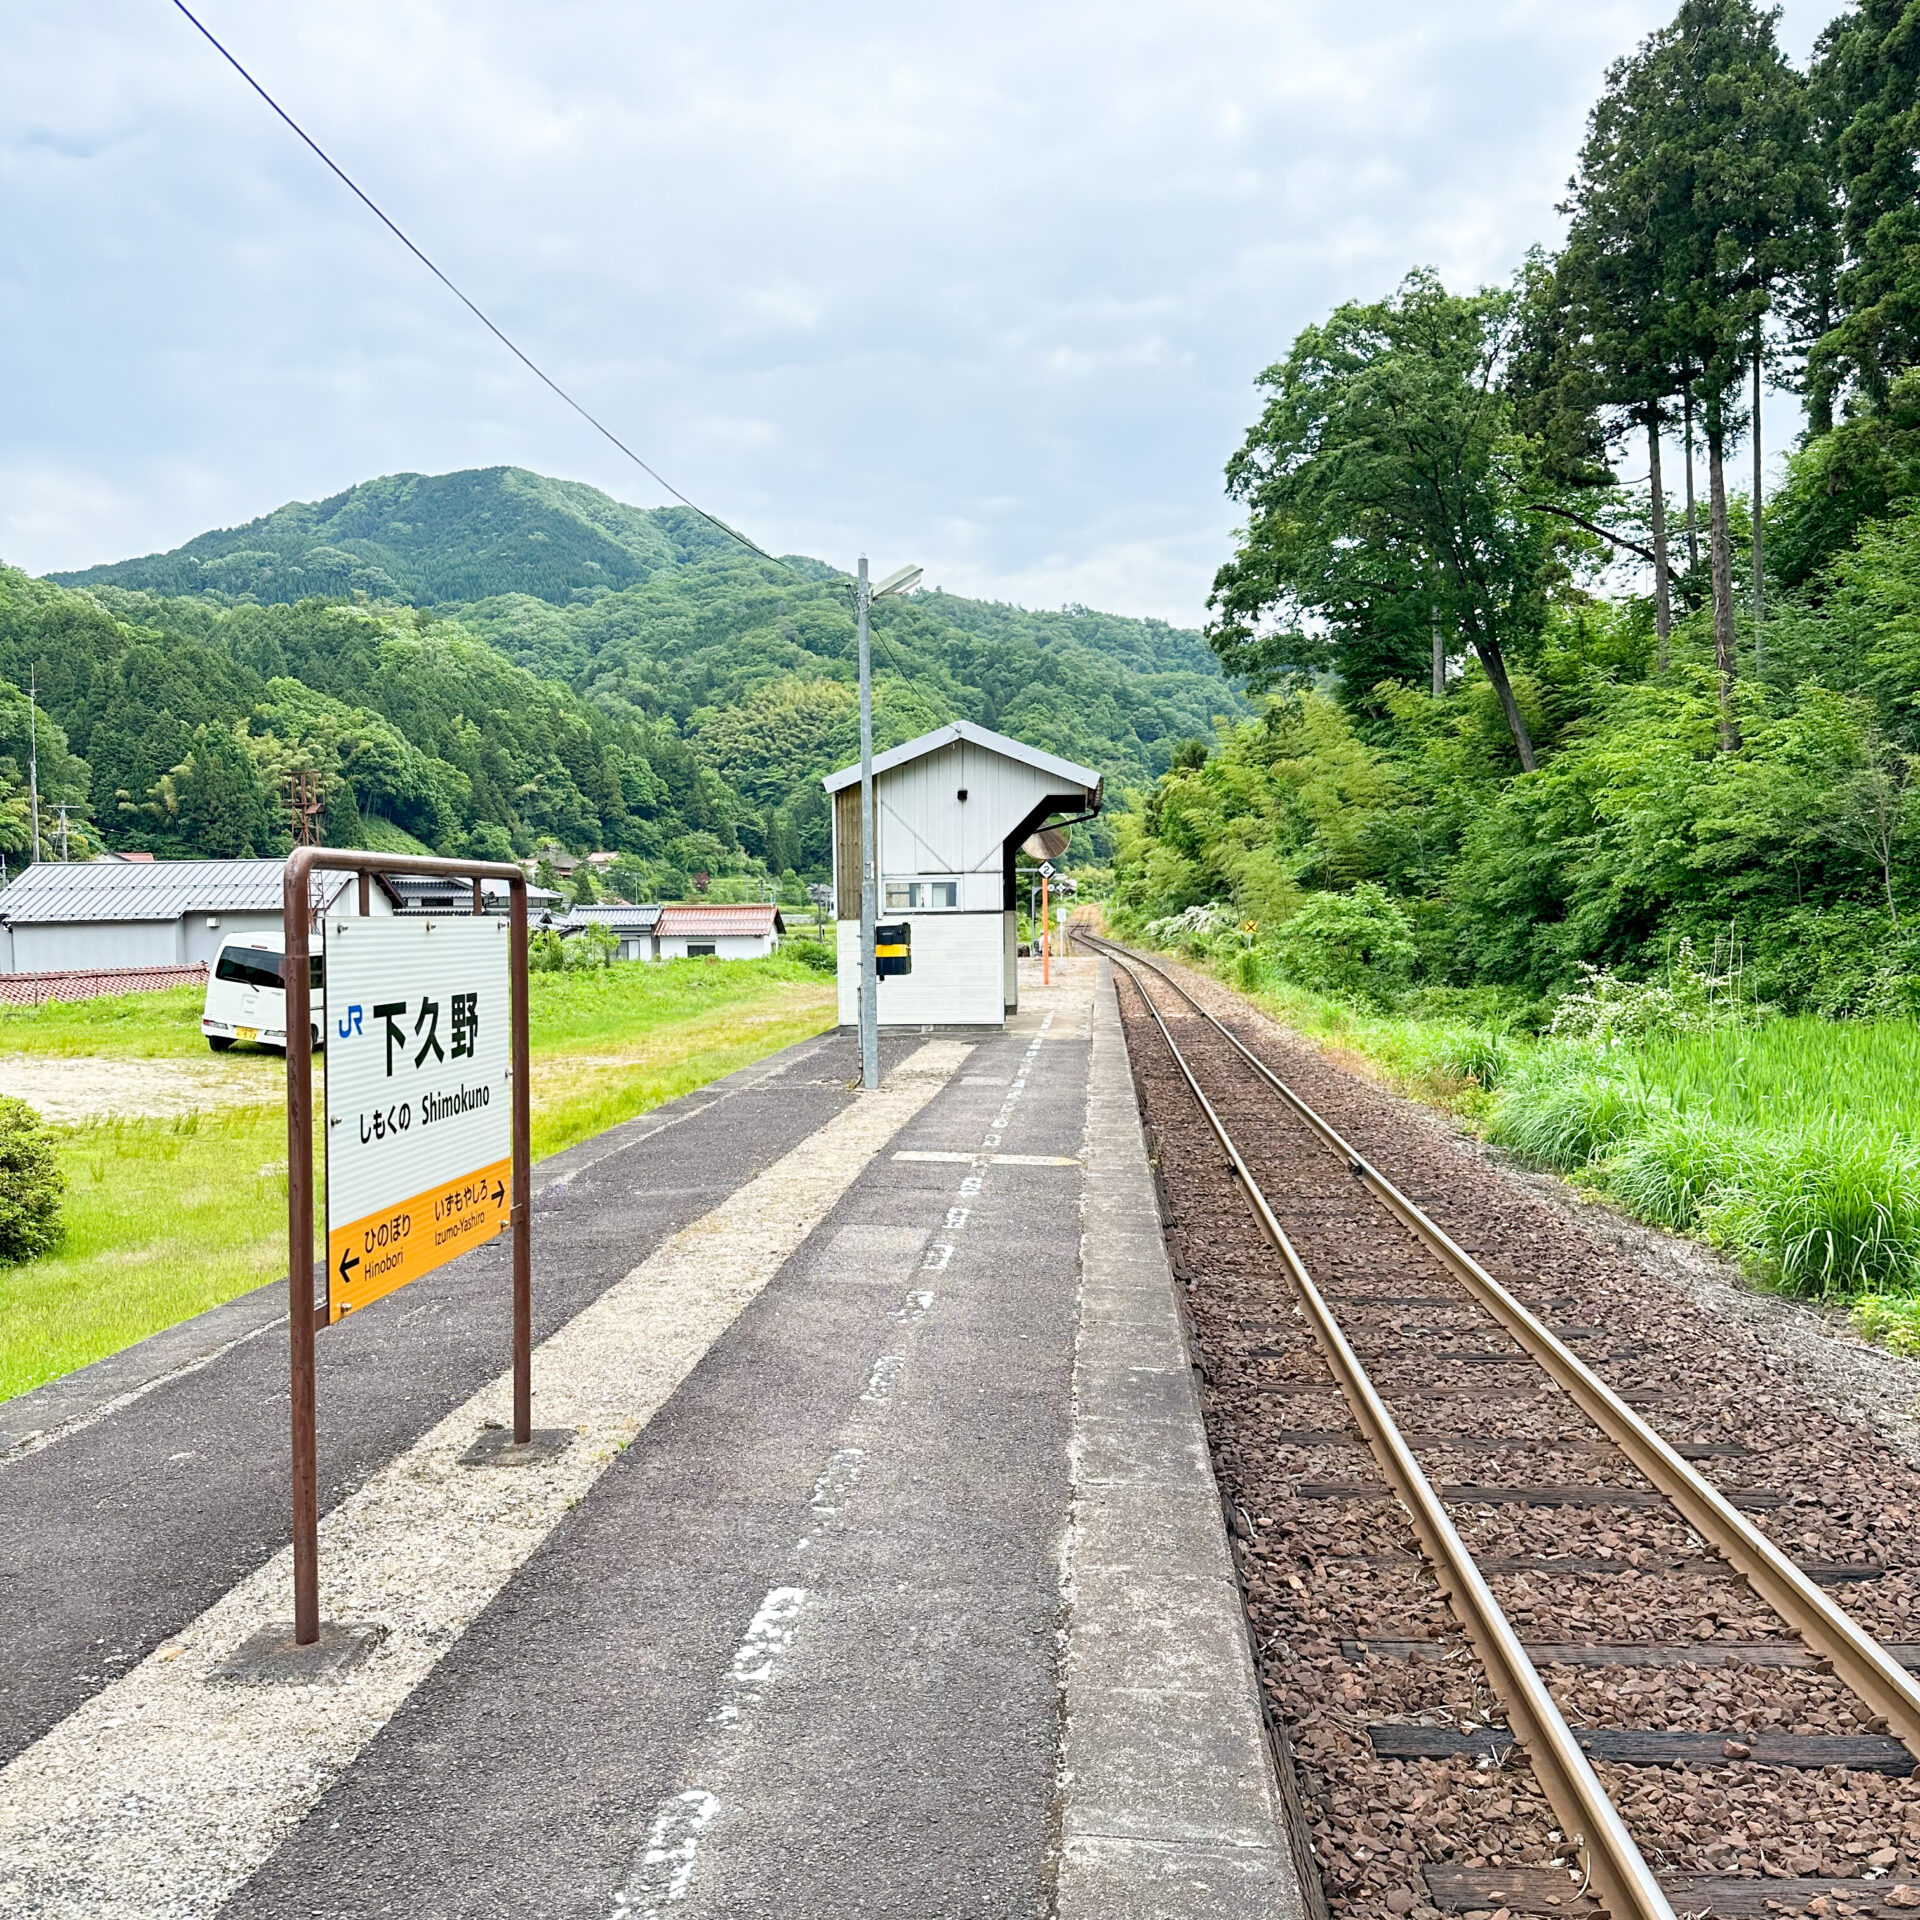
point(459, 1206)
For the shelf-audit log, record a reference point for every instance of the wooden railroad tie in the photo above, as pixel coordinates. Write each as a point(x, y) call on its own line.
point(1827, 1573)
point(1469, 1495)
point(1644, 1747)
point(1497, 1443)
point(1620, 1653)
point(1542, 1890)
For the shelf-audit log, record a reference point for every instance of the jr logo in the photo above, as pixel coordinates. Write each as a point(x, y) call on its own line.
point(349, 1023)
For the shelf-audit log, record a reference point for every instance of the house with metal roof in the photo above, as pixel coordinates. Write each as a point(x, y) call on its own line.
point(633, 927)
point(58, 915)
point(744, 930)
point(447, 893)
point(950, 812)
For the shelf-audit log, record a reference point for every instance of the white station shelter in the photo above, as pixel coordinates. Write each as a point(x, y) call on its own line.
point(950, 811)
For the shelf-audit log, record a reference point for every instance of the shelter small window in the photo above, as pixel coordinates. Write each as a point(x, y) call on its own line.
point(905, 896)
point(701, 950)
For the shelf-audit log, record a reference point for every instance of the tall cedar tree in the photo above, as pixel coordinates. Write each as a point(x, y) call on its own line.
point(1384, 490)
point(1616, 317)
point(1809, 304)
point(1728, 185)
point(1866, 81)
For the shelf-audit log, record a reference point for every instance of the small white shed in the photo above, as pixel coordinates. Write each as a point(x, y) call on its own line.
point(950, 811)
point(746, 930)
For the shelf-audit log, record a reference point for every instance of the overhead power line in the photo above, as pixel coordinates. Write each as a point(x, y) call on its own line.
point(538, 372)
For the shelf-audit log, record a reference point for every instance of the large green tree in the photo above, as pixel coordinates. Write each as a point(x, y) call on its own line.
point(1387, 491)
point(1611, 283)
point(1867, 78)
point(1732, 191)
point(1699, 198)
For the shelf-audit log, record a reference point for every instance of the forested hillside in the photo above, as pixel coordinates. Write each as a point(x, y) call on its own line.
point(1522, 716)
point(425, 539)
point(493, 660)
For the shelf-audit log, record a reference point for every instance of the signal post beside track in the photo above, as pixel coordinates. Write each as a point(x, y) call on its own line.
point(433, 1116)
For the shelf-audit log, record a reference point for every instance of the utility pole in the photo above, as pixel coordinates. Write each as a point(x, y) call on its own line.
point(869, 884)
point(33, 757)
point(902, 580)
point(63, 832)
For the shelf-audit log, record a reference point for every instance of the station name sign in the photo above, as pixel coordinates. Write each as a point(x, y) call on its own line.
point(419, 1092)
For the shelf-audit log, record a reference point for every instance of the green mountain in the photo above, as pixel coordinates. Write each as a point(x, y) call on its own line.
point(426, 539)
point(495, 658)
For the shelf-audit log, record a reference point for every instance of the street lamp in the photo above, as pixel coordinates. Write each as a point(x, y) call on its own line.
point(863, 595)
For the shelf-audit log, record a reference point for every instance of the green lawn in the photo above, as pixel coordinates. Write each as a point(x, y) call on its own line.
point(167, 1217)
point(131, 1026)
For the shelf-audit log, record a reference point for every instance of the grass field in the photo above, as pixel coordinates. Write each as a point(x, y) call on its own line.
point(168, 1216)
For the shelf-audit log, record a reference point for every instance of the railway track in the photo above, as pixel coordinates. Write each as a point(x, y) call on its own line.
point(1704, 1729)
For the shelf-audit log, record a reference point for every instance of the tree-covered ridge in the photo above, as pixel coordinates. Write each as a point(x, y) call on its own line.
point(690, 643)
point(183, 718)
point(1487, 753)
point(677, 650)
point(487, 660)
point(426, 539)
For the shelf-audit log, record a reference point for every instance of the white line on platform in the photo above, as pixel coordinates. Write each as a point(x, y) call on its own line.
point(662, 1875)
point(768, 1635)
point(159, 1795)
point(883, 1378)
point(837, 1479)
point(991, 1159)
point(666, 1864)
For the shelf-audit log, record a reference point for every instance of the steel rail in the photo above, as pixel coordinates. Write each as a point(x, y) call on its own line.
point(1829, 1632)
point(1616, 1870)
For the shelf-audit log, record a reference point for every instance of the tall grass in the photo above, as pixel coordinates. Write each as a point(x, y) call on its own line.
point(1790, 1145)
point(1794, 1144)
point(1795, 1073)
point(1676, 1165)
point(1563, 1108)
point(1834, 1213)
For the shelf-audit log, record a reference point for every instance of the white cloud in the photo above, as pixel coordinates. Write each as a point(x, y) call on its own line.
point(986, 286)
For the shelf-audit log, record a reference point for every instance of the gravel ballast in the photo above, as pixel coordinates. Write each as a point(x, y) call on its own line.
point(1811, 1432)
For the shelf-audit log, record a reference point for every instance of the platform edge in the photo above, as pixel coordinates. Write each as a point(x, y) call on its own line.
point(1169, 1801)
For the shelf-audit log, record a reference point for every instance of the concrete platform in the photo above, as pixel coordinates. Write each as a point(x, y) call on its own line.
point(885, 1574)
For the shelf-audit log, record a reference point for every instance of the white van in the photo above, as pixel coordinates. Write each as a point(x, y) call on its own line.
point(247, 998)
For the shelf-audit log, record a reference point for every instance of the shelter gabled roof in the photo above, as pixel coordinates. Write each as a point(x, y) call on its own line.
point(752, 918)
point(53, 891)
point(985, 738)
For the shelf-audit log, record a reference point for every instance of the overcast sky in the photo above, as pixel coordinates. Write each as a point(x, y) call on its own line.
point(983, 286)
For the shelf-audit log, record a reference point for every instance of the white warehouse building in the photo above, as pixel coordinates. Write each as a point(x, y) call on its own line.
point(950, 812)
point(150, 913)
